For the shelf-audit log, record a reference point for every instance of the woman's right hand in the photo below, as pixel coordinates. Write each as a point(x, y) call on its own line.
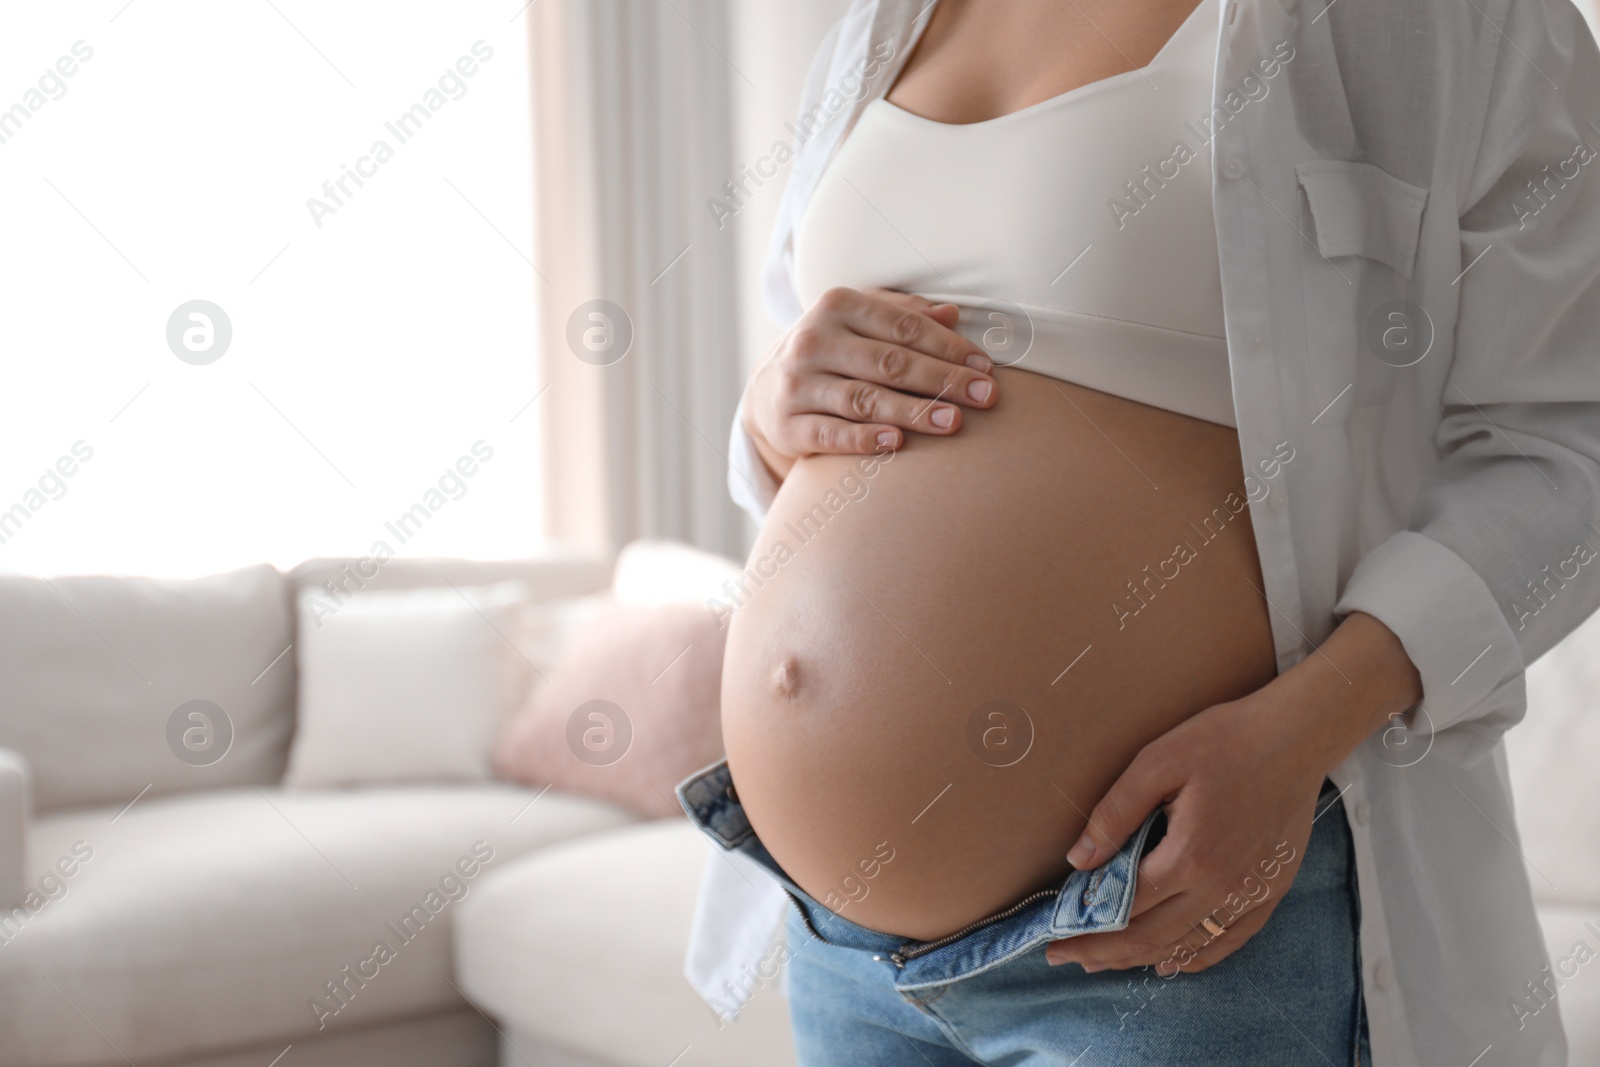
point(858, 369)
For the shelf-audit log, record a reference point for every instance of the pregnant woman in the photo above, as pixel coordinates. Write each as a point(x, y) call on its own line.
point(1177, 405)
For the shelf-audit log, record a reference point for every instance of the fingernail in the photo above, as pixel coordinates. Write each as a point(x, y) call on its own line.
point(1082, 852)
point(979, 390)
point(886, 439)
point(942, 417)
point(979, 363)
point(1091, 968)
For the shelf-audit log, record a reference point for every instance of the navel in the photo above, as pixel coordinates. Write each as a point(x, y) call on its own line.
point(786, 677)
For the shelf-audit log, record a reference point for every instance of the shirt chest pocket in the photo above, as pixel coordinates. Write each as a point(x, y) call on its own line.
point(1360, 209)
point(1362, 226)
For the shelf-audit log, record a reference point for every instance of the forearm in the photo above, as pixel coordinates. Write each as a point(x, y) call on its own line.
point(1346, 690)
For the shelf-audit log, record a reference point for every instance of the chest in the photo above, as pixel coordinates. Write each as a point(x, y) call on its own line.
point(978, 59)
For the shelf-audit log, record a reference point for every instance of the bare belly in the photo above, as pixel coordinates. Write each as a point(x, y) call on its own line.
point(946, 659)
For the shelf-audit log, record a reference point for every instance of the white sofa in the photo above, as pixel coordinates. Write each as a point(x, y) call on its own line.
point(195, 915)
point(215, 908)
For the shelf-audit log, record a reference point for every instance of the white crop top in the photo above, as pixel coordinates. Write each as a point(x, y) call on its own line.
point(1076, 235)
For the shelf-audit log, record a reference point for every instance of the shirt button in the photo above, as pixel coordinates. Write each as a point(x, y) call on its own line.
point(1275, 502)
point(1258, 338)
point(1383, 975)
point(1363, 813)
point(1233, 169)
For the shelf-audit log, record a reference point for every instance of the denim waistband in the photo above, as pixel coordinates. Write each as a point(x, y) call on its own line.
point(1087, 902)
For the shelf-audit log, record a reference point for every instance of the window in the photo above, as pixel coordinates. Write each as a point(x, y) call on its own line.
point(267, 284)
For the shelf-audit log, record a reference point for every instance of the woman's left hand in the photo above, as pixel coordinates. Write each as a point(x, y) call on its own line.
point(1239, 782)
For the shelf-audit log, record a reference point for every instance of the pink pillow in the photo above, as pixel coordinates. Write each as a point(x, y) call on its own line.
point(630, 710)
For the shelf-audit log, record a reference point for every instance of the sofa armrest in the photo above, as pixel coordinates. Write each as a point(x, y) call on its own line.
point(16, 804)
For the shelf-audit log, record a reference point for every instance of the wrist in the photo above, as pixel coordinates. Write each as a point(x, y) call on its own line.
point(1346, 690)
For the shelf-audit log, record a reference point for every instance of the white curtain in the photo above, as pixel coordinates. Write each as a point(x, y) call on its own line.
point(633, 131)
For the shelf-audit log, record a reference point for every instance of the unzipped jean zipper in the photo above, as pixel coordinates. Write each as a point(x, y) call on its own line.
point(912, 949)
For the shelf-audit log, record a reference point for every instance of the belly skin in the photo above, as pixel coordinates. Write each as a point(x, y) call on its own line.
point(896, 717)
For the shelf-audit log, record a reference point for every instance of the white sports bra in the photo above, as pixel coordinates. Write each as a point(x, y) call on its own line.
point(1076, 235)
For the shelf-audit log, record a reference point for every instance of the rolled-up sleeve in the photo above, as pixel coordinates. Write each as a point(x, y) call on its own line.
point(1499, 561)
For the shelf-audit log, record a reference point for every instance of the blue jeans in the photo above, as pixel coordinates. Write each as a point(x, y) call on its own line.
point(858, 997)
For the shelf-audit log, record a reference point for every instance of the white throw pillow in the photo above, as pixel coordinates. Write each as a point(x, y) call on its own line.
point(407, 685)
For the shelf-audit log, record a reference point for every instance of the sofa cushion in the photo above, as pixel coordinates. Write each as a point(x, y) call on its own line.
point(584, 945)
point(461, 1038)
point(110, 686)
point(652, 572)
point(406, 684)
point(205, 922)
point(631, 709)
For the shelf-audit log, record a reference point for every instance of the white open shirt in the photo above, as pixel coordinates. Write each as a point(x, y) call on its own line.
point(1388, 159)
